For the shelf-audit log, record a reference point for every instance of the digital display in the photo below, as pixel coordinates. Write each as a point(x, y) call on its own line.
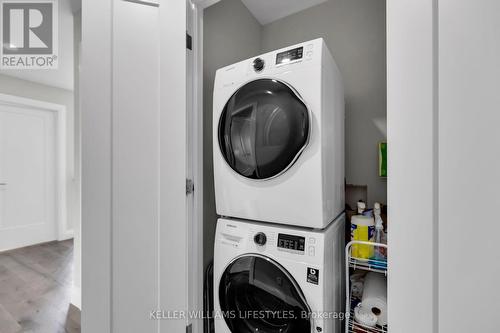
point(290, 242)
point(290, 55)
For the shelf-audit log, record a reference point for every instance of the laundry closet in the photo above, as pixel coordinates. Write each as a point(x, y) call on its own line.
point(295, 149)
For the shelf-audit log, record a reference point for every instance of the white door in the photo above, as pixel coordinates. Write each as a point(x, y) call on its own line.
point(135, 232)
point(27, 177)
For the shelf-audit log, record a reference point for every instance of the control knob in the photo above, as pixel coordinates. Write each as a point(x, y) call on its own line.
point(258, 64)
point(260, 239)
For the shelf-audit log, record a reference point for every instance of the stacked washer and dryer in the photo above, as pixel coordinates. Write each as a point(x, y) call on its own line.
point(279, 185)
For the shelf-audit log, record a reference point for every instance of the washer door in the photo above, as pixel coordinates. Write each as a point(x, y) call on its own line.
point(263, 129)
point(256, 294)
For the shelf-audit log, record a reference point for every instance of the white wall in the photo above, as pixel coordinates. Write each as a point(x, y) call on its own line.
point(62, 77)
point(18, 87)
point(412, 191)
point(469, 164)
point(231, 34)
point(355, 34)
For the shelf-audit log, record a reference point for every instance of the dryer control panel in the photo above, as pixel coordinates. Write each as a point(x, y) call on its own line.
point(289, 55)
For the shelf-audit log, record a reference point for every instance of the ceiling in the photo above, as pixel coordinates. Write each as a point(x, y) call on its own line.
point(267, 11)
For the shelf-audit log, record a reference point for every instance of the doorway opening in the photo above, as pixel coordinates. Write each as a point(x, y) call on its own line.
point(40, 185)
point(354, 32)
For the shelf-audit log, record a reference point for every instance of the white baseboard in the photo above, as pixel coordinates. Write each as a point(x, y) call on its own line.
point(76, 297)
point(66, 235)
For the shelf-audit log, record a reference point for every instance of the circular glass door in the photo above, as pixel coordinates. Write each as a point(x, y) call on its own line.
point(257, 295)
point(263, 129)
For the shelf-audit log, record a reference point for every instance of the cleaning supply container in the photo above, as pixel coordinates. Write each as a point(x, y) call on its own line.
point(379, 234)
point(362, 229)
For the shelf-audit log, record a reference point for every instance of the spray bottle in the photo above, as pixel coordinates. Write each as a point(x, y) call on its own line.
point(379, 232)
point(361, 207)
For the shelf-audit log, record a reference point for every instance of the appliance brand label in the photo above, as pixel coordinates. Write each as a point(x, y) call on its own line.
point(313, 275)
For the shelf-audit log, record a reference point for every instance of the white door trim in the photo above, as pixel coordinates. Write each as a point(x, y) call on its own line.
point(175, 247)
point(196, 151)
point(202, 4)
point(60, 111)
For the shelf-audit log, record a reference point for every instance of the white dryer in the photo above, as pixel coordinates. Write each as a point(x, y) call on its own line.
point(278, 134)
point(275, 279)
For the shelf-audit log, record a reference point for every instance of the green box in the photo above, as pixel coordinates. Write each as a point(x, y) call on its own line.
point(382, 159)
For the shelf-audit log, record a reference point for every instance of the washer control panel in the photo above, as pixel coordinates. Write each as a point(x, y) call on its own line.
point(267, 241)
point(291, 242)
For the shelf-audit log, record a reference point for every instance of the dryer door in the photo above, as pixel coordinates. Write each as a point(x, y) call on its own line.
point(263, 129)
point(256, 294)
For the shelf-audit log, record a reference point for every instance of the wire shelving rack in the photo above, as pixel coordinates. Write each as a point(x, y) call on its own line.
point(370, 265)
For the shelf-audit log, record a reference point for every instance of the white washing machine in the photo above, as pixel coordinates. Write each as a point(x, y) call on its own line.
point(275, 279)
point(279, 137)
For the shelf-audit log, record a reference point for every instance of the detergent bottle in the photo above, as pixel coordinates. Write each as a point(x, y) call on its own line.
point(362, 229)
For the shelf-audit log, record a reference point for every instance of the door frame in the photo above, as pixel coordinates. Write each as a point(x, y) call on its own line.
point(196, 288)
point(412, 38)
point(62, 231)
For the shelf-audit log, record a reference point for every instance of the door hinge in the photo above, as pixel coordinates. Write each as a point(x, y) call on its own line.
point(189, 41)
point(189, 186)
point(189, 328)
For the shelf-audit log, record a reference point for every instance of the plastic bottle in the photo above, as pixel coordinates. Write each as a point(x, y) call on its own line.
point(362, 229)
point(379, 232)
point(361, 207)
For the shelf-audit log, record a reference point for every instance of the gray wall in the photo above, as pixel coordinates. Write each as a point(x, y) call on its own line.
point(231, 34)
point(354, 31)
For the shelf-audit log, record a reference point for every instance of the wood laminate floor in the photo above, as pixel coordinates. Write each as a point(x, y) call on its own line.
point(35, 289)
